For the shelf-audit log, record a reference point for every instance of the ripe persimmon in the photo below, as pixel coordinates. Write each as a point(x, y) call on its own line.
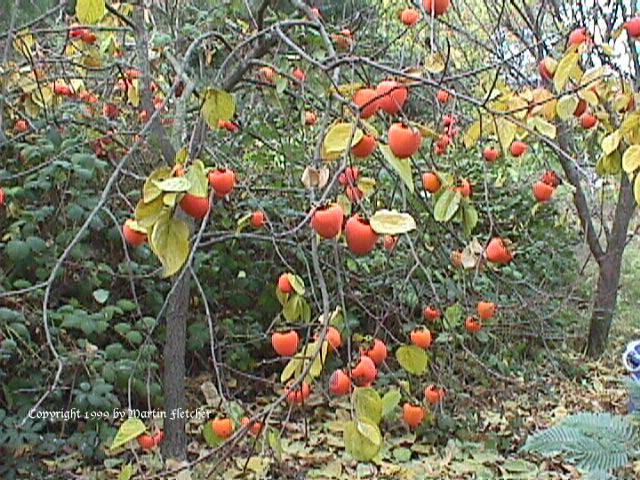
point(498, 252)
point(364, 147)
point(378, 352)
point(284, 284)
point(491, 154)
point(158, 437)
point(368, 102)
point(327, 220)
point(518, 148)
point(349, 176)
point(436, 7)
point(473, 325)
point(580, 108)
point(299, 75)
point(146, 441)
point(390, 242)
point(465, 188)
point(431, 313)
point(412, 415)
point(391, 96)
point(542, 192)
point(21, 126)
point(285, 344)
point(254, 427)
point(365, 371)
point(131, 236)
point(421, 338)
point(194, 206)
point(267, 73)
point(588, 121)
point(222, 427)
point(339, 383)
point(334, 338)
point(258, 219)
point(633, 27)
point(404, 140)
point(222, 181)
point(431, 182)
point(298, 395)
point(578, 36)
point(310, 118)
point(443, 96)
point(360, 236)
point(547, 68)
point(433, 394)
point(486, 310)
point(410, 16)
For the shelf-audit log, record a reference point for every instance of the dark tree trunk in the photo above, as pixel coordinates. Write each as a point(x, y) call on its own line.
point(609, 266)
point(175, 439)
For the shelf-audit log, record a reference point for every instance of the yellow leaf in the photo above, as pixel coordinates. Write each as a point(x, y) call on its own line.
point(24, 43)
point(133, 93)
point(90, 11)
point(594, 76)
point(610, 142)
point(636, 189)
point(150, 191)
point(148, 213)
point(566, 106)
point(565, 70)
point(170, 238)
point(506, 131)
point(472, 135)
point(434, 63)
point(336, 141)
point(131, 429)
point(391, 222)
point(347, 89)
point(542, 126)
point(218, 105)
point(631, 159)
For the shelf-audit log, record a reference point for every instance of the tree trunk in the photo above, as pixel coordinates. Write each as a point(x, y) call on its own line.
point(604, 304)
point(175, 438)
point(609, 266)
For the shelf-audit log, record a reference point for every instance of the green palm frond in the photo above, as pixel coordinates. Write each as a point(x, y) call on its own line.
point(593, 441)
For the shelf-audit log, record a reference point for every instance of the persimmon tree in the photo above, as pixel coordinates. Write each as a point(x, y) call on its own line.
point(361, 163)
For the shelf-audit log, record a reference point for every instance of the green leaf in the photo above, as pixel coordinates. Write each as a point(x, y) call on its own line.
point(610, 142)
point(402, 454)
point(218, 105)
point(631, 159)
point(297, 284)
point(292, 368)
point(412, 358)
point(131, 429)
point(170, 242)
point(336, 141)
point(291, 309)
point(402, 166)
point(469, 218)
point(147, 214)
point(17, 250)
point(90, 11)
point(101, 295)
point(198, 179)
point(368, 404)
point(391, 222)
point(127, 472)
point(318, 363)
point(390, 401)
point(210, 436)
point(362, 439)
point(150, 191)
point(174, 184)
point(447, 205)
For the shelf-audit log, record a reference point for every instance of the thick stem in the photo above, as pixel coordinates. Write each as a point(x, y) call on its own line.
point(609, 272)
point(175, 441)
